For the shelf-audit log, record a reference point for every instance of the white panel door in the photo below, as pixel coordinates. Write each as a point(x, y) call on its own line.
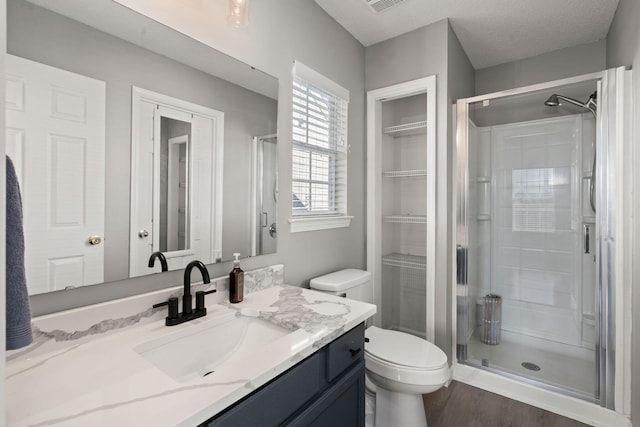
point(56, 138)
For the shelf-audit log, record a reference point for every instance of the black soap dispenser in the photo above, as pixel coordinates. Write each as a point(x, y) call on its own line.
point(236, 281)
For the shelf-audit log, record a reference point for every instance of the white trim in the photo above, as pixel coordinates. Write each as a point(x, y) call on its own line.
point(257, 184)
point(570, 407)
point(217, 185)
point(374, 182)
point(253, 225)
point(187, 107)
point(624, 241)
point(314, 223)
point(535, 87)
point(312, 76)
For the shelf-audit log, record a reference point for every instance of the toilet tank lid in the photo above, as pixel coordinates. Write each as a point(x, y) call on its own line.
point(340, 280)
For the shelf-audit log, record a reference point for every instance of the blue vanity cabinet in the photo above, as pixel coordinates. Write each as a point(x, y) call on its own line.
point(341, 405)
point(325, 389)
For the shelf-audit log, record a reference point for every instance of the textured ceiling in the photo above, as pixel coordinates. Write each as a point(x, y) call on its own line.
point(491, 31)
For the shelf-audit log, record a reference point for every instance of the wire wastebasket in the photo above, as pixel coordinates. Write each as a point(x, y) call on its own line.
point(492, 319)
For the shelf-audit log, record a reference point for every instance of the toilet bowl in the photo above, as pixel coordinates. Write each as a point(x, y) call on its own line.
point(403, 367)
point(400, 367)
point(403, 362)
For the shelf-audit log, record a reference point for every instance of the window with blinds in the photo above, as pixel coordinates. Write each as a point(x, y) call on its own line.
point(319, 152)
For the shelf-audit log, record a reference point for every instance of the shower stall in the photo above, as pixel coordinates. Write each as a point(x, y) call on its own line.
point(535, 235)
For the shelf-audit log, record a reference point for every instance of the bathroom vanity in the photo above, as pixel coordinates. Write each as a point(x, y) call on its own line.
point(296, 358)
point(327, 388)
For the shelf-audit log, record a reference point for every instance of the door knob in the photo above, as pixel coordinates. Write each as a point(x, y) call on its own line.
point(273, 230)
point(94, 240)
point(143, 233)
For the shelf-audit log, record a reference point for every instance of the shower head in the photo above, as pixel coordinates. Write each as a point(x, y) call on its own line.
point(554, 101)
point(591, 105)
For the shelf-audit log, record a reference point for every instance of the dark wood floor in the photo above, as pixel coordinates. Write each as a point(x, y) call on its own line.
point(461, 405)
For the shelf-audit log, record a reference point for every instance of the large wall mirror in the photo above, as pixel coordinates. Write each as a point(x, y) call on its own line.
point(130, 138)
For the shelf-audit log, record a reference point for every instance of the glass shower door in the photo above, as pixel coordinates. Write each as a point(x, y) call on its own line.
point(528, 174)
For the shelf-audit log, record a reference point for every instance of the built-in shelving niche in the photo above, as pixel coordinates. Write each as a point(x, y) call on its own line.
point(401, 197)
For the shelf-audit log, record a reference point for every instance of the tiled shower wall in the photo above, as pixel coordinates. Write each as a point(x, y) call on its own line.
point(528, 203)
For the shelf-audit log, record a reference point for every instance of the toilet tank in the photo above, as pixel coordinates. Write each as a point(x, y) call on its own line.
point(351, 283)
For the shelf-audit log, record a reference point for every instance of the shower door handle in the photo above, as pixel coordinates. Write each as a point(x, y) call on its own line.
point(586, 230)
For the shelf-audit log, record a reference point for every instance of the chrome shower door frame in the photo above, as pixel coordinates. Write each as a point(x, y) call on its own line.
point(612, 295)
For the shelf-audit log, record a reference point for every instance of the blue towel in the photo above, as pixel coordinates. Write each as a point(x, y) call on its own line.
point(17, 302)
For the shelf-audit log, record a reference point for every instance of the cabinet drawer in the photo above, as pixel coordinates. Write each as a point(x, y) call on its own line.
point(345, 351)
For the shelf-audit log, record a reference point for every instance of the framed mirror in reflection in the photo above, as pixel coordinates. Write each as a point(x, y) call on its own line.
point(130, 138)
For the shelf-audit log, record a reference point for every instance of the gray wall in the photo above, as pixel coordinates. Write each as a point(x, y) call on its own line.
point(279, 33)
point(623, 49)
point(431, 50)
point(461, 82)
point(568, 62)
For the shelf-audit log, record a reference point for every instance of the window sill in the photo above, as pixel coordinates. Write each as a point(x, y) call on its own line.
point(299, 225)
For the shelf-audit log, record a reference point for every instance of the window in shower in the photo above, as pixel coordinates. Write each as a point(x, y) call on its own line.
point(532, 200)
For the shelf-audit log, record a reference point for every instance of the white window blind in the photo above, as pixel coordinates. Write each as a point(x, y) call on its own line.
point(319, 152)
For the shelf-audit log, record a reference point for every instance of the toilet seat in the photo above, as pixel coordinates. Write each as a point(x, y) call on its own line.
point(400, 348)
point(417, 361)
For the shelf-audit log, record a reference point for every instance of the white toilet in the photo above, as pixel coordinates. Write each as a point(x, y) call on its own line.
point(400, 367)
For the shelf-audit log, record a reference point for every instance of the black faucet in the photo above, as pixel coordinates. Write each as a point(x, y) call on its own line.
point(186, 296)
point(161, 257)
point(188, 313)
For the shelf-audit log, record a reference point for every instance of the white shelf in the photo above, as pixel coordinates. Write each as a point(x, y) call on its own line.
point(483, 179)
point(404, 174)
point(405, 260)
point(406, 219)
point(483, 217)
point(406, 129)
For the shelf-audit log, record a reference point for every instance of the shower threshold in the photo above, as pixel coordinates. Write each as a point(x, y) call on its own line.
point(564, 368)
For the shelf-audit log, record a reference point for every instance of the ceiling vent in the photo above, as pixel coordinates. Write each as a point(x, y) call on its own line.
point(381, 5)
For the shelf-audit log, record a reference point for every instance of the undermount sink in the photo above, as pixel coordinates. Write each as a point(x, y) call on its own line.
point(199, 349)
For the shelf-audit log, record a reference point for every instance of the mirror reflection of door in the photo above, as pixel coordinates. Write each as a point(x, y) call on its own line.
point(176, 186)
point(264, 237)
point(55, 134)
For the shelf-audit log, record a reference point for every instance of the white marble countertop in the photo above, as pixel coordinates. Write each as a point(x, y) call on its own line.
point(100, 380)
